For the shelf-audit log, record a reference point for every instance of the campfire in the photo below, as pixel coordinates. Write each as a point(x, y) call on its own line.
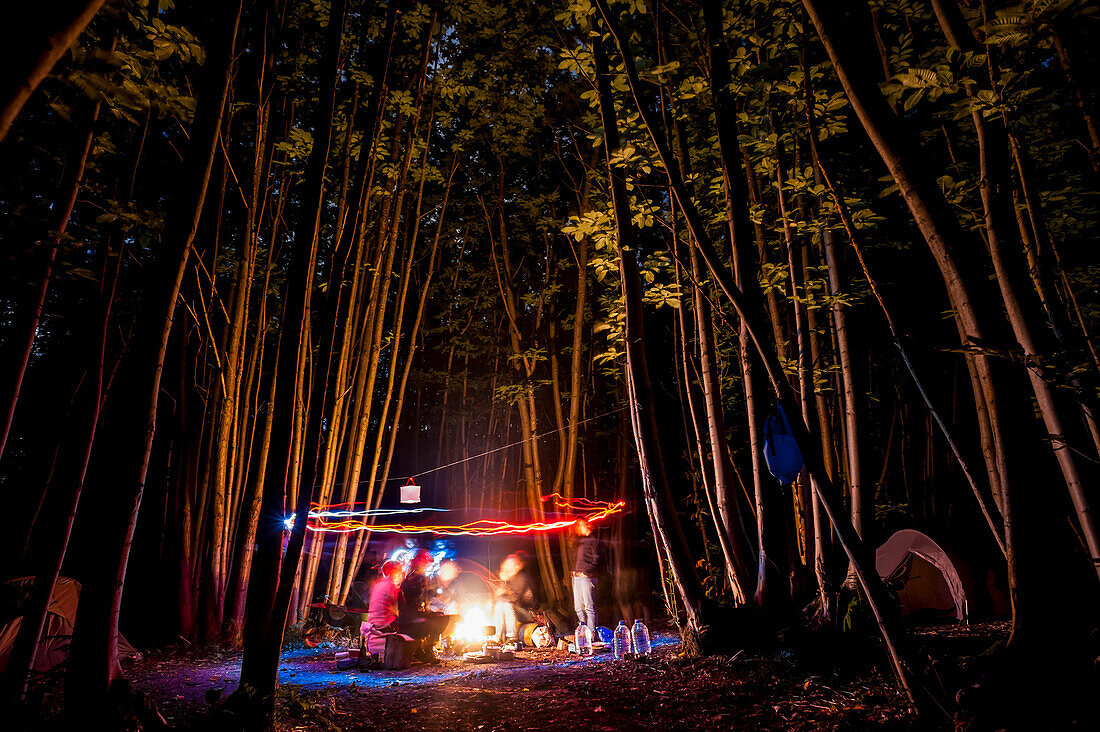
point(474, 637)
point(471, 628)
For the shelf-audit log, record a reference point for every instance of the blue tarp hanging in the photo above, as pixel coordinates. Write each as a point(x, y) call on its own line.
point(781, 452)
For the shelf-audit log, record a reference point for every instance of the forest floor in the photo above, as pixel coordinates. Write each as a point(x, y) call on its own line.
point(550, 689)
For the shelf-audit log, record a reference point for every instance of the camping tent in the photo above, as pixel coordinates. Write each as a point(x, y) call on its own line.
point(53, 647)
point(925, 578)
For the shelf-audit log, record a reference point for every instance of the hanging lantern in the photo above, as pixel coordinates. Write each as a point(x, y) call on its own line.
point(410, 492)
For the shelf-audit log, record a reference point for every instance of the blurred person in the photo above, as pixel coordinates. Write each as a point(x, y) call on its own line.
point(516, 600)
point(585, 567)
point(414, 588)
point(414, 619)
point(444, 595)
point(382, 611)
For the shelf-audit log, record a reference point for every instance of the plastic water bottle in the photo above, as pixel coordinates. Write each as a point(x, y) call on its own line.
point(639, 638)
point(621, 641)
point(584, 640)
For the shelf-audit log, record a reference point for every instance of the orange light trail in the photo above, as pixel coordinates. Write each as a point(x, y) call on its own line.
point(351, 520)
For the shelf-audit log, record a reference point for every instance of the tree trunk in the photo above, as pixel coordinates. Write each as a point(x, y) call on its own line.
point(872, 585)
point(36, 38)
point(272, 577)
point(1082, 96)
point(995, 188)
point(62, 210)
point(989, 513)
point(662, 511)
point(70, 480)
point(735, 172)
point(93, 663)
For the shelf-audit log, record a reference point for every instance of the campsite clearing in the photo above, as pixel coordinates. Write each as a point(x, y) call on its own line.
point(554, 690)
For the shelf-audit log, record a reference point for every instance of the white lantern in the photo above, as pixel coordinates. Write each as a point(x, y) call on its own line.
point(410, 493)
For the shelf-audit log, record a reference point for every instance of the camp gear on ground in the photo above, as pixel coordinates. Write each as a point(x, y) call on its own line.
point(536, 635)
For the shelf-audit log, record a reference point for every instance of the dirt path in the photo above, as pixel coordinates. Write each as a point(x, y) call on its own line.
point(540, 690)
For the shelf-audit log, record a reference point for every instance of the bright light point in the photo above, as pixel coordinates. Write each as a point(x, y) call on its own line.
point(471, 628)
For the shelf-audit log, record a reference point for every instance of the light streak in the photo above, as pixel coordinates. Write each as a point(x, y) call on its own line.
point(350, 513)
point(590, 511)
point(335, 510)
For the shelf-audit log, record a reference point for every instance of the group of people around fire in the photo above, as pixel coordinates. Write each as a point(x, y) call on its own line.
point(416, 605)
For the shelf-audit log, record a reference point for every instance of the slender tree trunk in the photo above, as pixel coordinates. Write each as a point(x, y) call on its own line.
point(815, 522)
point(272, 576)
point(990, 514)
point(1082, 96)
point(699, 435)
point(995, 192)
point(35, 39)
point(730, 516)
point(735, 173)
point(70, 480)
point(667, 530)
point(576, 370)
point(811, 450)
point(62, 211)
point(93, 661)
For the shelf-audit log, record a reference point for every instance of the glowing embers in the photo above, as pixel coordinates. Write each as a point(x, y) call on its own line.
point(343, 518)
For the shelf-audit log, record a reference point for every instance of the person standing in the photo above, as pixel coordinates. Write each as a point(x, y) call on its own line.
point(585, 567)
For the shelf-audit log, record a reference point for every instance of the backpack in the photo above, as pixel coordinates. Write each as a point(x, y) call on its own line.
point(781, 452)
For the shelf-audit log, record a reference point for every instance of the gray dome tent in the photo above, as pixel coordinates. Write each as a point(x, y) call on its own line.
point(926, 579)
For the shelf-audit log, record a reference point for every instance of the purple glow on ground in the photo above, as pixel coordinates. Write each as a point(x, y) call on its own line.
point(178, 682)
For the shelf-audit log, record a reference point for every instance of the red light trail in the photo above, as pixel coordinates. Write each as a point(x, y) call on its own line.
point(343, 519)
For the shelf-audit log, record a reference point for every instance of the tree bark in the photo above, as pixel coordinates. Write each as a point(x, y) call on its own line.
point(69, 190)
point(93, 663)
point(272, 577)
point(872, 585)
point(658, 496)
point(37, 37)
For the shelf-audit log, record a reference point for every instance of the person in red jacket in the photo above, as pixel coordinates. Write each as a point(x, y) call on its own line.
point(385, 597)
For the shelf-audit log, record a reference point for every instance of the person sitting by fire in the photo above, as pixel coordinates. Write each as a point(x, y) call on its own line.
point(444, 595)
point(413, 619)
point(516, 600)
point(414, 588)
point(382, 611)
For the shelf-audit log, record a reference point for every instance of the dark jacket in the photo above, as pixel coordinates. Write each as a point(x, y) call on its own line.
point(589, 554)
point(413, 594)
point(520, 590)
